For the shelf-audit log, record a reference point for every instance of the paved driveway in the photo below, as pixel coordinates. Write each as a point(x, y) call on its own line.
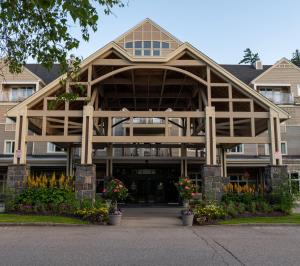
point(175, 245)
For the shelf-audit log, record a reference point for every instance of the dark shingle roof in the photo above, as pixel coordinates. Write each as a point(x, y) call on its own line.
point(245, 73)
point(46, 75)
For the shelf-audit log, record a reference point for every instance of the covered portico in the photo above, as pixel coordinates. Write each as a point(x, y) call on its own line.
point(180, 103)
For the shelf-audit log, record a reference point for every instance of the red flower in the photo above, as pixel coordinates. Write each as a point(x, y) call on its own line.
point(104, 190)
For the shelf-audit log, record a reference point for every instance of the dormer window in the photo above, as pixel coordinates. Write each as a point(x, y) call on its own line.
point(147, 48)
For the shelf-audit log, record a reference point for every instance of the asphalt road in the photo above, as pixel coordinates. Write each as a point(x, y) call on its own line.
point(175, 245)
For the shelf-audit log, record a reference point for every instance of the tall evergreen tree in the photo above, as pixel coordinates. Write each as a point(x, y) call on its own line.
point(296, 58)
point(249, 57)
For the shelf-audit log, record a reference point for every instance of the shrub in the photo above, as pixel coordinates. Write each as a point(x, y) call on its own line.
point(208, 213)
point(231, 209)
point(42, 199)
point(116, 190)
point(282, 199)
point(94, 215)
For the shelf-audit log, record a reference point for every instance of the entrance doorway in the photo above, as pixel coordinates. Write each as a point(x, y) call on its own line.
point(149, 184)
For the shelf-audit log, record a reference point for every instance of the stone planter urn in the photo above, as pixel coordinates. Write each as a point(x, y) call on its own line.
point(2, 207)
point(114, 219)
point(187, 219)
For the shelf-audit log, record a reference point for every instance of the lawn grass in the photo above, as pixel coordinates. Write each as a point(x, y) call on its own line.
point(289, 219)
point(18, 218)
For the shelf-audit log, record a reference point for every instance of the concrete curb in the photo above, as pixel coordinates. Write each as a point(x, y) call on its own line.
point(259, 224)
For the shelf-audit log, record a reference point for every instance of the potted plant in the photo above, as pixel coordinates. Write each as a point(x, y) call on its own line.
point(115, 191)
point(186, 190)
point(2, 204)
point(187, 217)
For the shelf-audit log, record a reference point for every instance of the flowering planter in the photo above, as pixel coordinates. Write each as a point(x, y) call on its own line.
point(2, 207)
point(114, 219)
point(187, 219)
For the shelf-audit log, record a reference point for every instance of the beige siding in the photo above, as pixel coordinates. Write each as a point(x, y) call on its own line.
point(25, 75)
point(283, 73)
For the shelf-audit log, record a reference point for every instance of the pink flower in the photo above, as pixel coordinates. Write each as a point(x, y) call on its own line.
point(186, 187)
point(104, 190)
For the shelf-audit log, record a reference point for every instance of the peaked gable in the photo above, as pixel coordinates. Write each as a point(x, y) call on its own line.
point(282, 70)
point(148, 39)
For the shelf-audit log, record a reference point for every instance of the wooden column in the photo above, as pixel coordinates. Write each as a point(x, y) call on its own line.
point(210, 136)
point(275, 139)
point(20, 137)
point(222, 153)
point(109, 162)
point(87, 135)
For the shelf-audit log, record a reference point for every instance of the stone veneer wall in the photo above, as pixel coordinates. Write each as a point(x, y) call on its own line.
point(16, 174)
point(212, 182)
point(274, 176)
point(85, 181)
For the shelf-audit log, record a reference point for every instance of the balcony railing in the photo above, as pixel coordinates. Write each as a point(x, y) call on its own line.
point(278, 97)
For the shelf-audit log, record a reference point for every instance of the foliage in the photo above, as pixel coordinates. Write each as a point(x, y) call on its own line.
point(46, 200)
point(239, 188)
point(282, 199)
point(185, 188)
point(42, 29)
point(116, 190)
point(208, 213)
point(42, 181)
point(249, 57)
point(296, 58)
point(93, 215)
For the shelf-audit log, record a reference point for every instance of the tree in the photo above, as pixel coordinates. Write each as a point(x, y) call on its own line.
point(249, 57)
point(296, 58)
point(41, 29)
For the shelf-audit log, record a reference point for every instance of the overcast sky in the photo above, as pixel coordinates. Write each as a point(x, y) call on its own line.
point(221, 29)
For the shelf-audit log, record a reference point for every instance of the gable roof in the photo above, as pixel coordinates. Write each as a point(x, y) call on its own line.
point(274, 66)
point(47, 75)
point(182, 48)
point(245, 73)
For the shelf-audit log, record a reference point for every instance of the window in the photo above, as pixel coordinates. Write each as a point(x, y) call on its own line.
point(129, 45)
point(21, 93)
point(295, 182)
point(156, 44)
point(10, 124)
point(138, 44)
point(147, 44)
point(239, 149)
point(52, 148)
point(138, 52)
point(9, 146)
point(165, 45)
point(197, 181)
point(156, 52)
point(242, 179)
point(147, 52)
point(283, 147)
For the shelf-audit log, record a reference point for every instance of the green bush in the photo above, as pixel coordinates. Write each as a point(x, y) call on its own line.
point(208, 213)
point(282, 199)
point(231, 209)
point(93, 215)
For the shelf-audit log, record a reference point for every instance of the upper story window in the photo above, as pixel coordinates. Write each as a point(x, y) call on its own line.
point(277, 94)
point(52, 148)
point(238, 149)
point(9, 146)
point(21, 93)
point(147, 48)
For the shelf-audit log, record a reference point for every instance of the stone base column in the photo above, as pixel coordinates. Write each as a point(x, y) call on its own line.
point(85, 181)
point(212, 182)
point(274, 176)
point(17, 174)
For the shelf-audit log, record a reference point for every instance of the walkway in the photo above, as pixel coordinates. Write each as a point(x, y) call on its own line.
point(151, 217)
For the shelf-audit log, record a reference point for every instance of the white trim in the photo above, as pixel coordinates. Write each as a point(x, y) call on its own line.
point(7, 82)
point(5, 144)
point(272, 84)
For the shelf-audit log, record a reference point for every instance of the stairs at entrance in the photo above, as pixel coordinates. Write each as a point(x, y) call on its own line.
point(151, 217)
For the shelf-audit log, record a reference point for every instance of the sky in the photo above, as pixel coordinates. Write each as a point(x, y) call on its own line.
point(221, 29)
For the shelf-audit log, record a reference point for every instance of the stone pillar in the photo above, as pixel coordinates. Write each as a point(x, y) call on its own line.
point(274, 176)
point(212, 182)
point(16, 175)
point(85, 181)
